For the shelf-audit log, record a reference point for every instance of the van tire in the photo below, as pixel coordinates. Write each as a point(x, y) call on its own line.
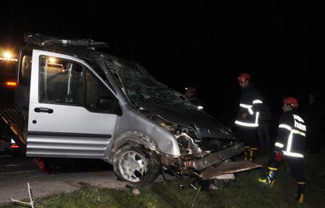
point(135, 163)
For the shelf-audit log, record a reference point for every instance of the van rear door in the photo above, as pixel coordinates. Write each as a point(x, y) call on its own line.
point(66, 118)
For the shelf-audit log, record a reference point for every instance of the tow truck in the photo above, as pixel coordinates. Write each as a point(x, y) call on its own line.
point(8, 71)
point(75, 101)
point(11, 119)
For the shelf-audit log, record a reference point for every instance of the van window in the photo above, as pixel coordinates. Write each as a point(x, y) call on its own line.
point(63, 81)
point(98, 97)
point(60, 81)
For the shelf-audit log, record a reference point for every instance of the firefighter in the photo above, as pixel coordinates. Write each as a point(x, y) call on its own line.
point(248, 116)
point(191, 95)
point(290, 145)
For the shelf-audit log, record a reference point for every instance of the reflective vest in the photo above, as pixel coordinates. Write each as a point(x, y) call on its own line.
point(291, 135)
point(250, 104)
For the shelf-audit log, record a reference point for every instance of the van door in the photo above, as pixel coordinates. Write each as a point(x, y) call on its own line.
point(72, 110)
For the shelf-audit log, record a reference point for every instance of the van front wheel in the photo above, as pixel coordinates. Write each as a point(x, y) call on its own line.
point(136, 164)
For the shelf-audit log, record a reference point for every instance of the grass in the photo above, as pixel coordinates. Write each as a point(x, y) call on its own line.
point(245, 191)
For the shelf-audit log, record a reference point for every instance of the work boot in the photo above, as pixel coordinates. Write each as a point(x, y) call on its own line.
point(253, 154)
point(270, 177)
point(300, 192)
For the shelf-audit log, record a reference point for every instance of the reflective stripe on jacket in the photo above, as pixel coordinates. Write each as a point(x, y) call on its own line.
point(291, 135)
point(250, 104)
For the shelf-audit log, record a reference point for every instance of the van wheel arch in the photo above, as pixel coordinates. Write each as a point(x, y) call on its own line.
point(134, 137)
point(135, 157)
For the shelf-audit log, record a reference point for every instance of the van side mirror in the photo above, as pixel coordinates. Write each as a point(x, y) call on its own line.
point(109, 105)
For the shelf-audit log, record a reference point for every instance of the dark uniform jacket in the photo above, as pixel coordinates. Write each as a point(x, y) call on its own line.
point(250, 104)
point(291, 136)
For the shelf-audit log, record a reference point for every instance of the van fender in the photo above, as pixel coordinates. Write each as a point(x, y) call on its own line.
point(133, 137)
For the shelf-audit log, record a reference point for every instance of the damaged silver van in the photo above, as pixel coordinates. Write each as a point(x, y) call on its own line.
point(78, 102)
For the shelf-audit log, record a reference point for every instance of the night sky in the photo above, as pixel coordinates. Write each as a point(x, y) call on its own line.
point(184, 43)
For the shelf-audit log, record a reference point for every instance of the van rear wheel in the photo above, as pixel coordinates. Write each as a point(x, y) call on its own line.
point(136, 164)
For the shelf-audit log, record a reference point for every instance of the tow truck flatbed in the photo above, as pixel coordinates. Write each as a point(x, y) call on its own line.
point(12, 124)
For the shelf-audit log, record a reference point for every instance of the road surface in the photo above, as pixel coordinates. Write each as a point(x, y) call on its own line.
point(16, 172)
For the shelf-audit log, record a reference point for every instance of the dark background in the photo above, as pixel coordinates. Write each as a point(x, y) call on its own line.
point(184, 43)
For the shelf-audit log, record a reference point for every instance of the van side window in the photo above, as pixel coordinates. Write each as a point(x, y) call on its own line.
point(60, 81)
point(98, 97)
point(66, 82)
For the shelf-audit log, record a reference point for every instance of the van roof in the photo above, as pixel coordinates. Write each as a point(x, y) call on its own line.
point(43, 41)
point(79, 47)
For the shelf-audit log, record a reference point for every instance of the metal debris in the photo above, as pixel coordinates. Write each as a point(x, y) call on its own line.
point(213, 172)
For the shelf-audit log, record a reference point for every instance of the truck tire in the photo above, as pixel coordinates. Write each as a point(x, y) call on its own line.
point(135, 163)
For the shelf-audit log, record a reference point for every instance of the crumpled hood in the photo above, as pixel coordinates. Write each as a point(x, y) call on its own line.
point(203, 123)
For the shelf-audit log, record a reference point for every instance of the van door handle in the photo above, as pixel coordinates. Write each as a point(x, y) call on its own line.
point(43, 110)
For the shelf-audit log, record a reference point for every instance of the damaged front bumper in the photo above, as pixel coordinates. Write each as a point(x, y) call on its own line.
point(214, 166)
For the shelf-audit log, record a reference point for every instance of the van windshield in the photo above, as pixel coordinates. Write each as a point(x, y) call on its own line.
point(140, 87)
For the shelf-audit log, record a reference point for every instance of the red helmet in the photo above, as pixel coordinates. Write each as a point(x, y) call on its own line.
point(190, 91)
point(243, 77)
point(292, 101)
